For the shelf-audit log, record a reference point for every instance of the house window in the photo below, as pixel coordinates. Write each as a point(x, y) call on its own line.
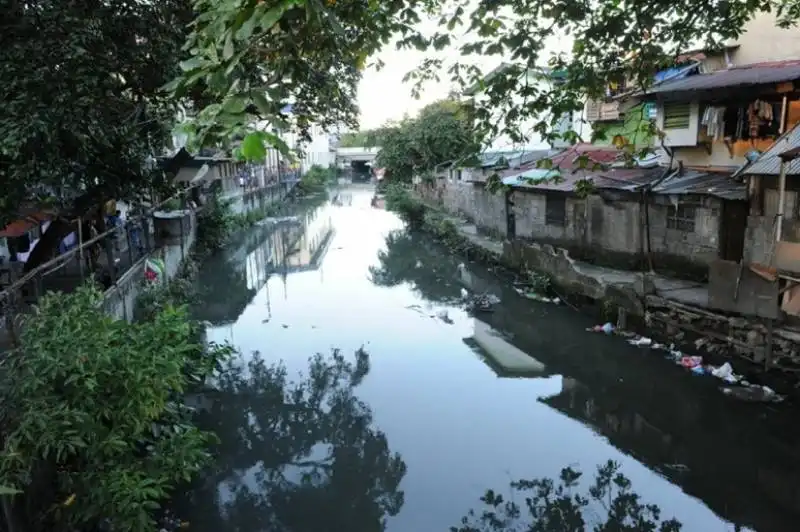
point(681, 218)
point(677, 115)
point(555, 211)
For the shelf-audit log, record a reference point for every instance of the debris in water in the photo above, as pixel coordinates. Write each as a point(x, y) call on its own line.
point(482, 302)
point(753, 394)
point(607, 328)
point(442, 315)
point(642, 341)
point(678, 467)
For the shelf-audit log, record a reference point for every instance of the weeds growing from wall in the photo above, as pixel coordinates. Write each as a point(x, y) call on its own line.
point(97, 435)
point(214, 225)
point(217, 222)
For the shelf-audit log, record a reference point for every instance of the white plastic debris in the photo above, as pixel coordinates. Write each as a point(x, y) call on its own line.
point(642, 341)
point(723, 372)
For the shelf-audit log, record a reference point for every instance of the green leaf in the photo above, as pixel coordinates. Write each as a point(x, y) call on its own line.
point(5, 490)
point(275, 141)
point(235, 104)
point(227, 51)
point(247, 27)
point(261, 102)
point(192, 64)
point(272, 16)
point(253, 147)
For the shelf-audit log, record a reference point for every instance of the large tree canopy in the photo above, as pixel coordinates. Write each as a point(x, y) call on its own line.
point(611, 41)
point(249, 59)
point(82, 108)
point(442, 133)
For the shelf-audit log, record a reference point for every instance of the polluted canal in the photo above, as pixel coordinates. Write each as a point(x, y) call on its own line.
point(414, 407)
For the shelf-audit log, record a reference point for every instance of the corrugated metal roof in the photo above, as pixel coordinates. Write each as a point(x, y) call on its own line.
point(703, 183)
point(597, 154)
point(615, 178)
point(514, 158)
point(769, 162)
point(698, 182)
point(738, 76)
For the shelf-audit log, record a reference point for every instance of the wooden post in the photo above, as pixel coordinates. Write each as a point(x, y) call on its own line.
point(781, 201)
point(768, 350)
point(80, 247)
point(622, 318)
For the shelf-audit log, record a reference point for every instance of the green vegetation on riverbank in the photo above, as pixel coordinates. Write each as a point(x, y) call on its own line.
point(316, 180)
point(217, 222)
point(96, 432)
point(420, 216)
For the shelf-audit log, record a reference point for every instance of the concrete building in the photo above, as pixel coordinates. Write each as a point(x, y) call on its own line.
point(542, 78)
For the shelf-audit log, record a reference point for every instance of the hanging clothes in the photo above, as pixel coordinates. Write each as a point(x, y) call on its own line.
point(759, 114)
point(714, 120)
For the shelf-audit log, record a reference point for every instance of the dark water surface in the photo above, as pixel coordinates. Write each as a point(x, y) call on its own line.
point(447, 405)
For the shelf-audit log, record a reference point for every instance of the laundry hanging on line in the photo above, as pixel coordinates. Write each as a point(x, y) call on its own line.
point(713, 119)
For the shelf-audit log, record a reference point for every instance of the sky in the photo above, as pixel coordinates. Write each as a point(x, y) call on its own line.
point(382, 96)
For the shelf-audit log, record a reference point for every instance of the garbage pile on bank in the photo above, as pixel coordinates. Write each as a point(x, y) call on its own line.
point(736, 385)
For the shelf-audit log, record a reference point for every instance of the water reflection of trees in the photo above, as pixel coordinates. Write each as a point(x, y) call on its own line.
point(414, 259)
point(297, 455)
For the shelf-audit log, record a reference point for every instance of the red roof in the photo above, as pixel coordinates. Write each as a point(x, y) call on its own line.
point(22, 226)
point(568, 159)
point(596, 154)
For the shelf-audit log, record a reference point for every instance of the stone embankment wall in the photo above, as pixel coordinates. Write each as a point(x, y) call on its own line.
point(610, 230)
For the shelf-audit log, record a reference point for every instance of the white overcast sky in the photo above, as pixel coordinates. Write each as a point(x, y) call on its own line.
point(382, 96)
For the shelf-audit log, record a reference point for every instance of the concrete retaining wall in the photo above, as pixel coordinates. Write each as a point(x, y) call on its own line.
point(120, 299)
point(607, 228)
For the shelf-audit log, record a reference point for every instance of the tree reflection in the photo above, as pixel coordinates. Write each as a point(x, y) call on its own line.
point(414, 259)
point(558, 506)
point(297, 455)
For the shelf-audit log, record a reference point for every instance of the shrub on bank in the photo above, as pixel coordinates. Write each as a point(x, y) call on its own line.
point(217, 222)
point(214, 224)
point(317, 179)
point(400, 200)
point(97, 435)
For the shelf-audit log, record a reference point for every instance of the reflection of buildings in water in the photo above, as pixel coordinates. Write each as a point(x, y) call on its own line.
point(309, 250)
point(504, 359)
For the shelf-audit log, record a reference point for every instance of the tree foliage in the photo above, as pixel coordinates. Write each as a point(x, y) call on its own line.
point(96, 430)
point(611, 42)
point(369, 138)
point(442, 133)
point(82, 109)
point(246, 60)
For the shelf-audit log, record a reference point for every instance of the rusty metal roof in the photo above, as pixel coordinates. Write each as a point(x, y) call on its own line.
point(737, 76)
point(719, 185)
point(629, 179)
point(769, 162)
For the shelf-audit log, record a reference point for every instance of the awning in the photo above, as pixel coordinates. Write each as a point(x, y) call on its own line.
point(738, 76)
point(20, 227)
